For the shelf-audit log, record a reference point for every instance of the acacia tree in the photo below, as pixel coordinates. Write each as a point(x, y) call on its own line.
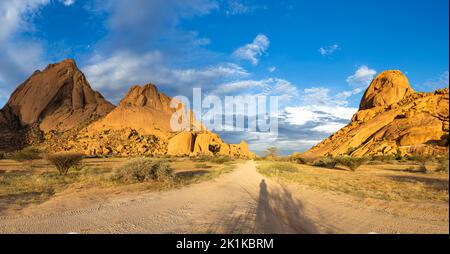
point(271, 152)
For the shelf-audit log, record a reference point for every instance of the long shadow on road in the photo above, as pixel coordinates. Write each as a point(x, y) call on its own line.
point(279, 212)
point(275, 212)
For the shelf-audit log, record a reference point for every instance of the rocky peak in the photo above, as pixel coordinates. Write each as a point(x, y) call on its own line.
point(146, 96)
point(388, 88)
point(59, 97)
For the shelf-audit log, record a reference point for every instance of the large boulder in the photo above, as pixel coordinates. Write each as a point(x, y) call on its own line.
point(241, 150)
point(387, 88)
point(207, 144)
point(181, 144)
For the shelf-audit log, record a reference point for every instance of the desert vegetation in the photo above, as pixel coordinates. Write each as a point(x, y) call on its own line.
point(213, 159)
point(21, 185)
point(64, 161)
point(325, 162)
point(28, 155)
point(380, 181)
point(443, 165)
point(352, 163)
point(143, 170)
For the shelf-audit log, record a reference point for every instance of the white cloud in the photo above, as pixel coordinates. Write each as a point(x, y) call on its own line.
point(67, 2)
point(272, 69)
point(202, 42)
point(329, 50)
point(221, 70)
point(253, 51)
point(329, 128)
point(15, 15)
point(124, 68)
point(235, 7)
point(285, 90)
point(362, 77)
point(300, 115)
point(238, 7)
point(317, 106)
point(139, 24)
point(19, 57)
point(440, 82)
point(283, 144)
point(318, 114)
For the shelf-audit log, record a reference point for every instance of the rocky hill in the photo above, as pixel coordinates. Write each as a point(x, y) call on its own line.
point(393, 119)
point(140, 125)
point(56, 99)
point(57, 110)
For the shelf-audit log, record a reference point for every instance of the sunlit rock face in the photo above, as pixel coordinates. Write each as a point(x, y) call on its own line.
point(393, 119)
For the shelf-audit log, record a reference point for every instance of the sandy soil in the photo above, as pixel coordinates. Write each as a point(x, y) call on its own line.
point(242, 201)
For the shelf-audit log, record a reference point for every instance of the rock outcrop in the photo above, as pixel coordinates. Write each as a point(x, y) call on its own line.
point(181, 144)
point(205, 143)
point(388, 88)
point(138, 126)
point(143, 109)
point(56, 99)
point(393, 119)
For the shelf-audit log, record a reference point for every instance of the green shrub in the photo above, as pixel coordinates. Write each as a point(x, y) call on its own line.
point(222, 159)
point(325, 162)
point(64, 161)
point(283, 167)
point(27, 154)
point(398, 155)
point(143, 170)
point(443, 165)
point(383, 158)
point(421, 160)
point(213, 159)
point(203, 158)
point(202, 165)
point(300, 159)
point(353, 163)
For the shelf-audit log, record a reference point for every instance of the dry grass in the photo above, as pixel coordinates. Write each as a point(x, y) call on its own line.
point(385, 181)
point(21, 186)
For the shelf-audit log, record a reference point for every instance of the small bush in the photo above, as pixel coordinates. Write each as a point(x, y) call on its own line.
point(202, 165)
point(2, 155)
point(64, 161)
point(27, 154)
point(421, 160)
point(283, 167)
point(398, 155)
point(203, 158)
point(325, 162)
point(301, 159)
point(443, 165)
point(144, 170)
point(221, 159)
point(353, 163)
point(383, 158)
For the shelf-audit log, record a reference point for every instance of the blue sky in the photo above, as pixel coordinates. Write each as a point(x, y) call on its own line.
point(317, 55)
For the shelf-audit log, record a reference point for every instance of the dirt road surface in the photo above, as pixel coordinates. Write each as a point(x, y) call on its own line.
point(242, 201)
